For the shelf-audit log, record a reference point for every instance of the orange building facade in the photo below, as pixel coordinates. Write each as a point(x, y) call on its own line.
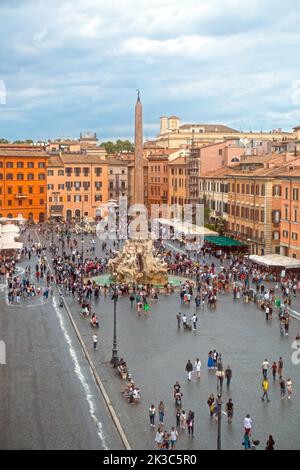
point(290, 214)
point(23, 183)
point(158, 180)
point(77, 185)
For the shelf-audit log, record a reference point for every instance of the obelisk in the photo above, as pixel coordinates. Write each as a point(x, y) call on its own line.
point(138, 154)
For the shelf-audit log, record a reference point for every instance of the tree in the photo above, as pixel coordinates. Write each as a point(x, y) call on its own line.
point(117, 147)
point(27, 141)
point(4, 141)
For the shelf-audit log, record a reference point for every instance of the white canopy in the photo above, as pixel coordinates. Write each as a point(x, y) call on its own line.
point(8, 233)
point(186, 228)
point(276, 260)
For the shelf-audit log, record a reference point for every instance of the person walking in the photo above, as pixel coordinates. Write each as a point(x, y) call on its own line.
point(211, 404)
point(198, 367)
point(152, 412)
point(190, 423)
point(248, 423)
point(265, 367)
point(159, 438)
point(161, 413)
point(265, 387)
point(270, 443)
point(229, 410)
point(228, 375)
point(178, 414)
point(189, 369)
point(131, 298)
point(274, 370)
point(173, 438)
point(184, 320)
point(289, 387)
point(183, 420)
point(194, 321)
point(282, 388)
point(95, 341)
point(280, 367)
point(178, 316)
point(246, 441)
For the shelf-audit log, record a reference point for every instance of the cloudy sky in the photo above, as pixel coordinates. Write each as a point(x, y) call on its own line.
point(71, 66)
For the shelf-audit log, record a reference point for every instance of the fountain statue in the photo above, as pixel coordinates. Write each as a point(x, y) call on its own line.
point(137, 263)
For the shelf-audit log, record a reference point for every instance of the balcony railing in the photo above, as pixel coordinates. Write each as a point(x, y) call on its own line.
point(21, 196)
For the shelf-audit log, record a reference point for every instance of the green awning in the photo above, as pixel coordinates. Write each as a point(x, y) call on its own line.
point(224, 241)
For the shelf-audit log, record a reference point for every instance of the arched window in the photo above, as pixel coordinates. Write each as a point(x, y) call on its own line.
point(42, 217)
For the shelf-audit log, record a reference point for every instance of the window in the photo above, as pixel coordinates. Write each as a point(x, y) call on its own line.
point(20, 176)
point(86, 171)
point(61, 186)
point(252, 188)
point(86, 198)
point(263, 190)
point(30, 176)
point(30, 189)
point(69, 185)
point(42, 189)
point(20, 202)
point(276, 217)
point(9, 176)
point(9, 190)
point(295, 215)
point(68, 171)
point(243, 189)
point(257, 190)
point(50, 172)
point(61, 173)
point(286, 193)
point(295, 194)
point(86, 185)
point(50, 199)
point(9, 202)
point(277, 190)
point(98, 171)
point(123, 171)
point(111, 185)
point(276, 235)
point(77, 171)
point(220, 151)
point(262, 216)
point(77, 185)
point(1, 164)
point(110, 172)
point(42, 176)
point(42, 202)
point(68, 198)
point(285, 233)
point(1, 176)
point(98, 198)
point(30, 202)
point(42, 165)
point(9, 165)
point(30, 165)
point(77, 198)
point(247, 188)
point(50, 186)
point(294, 236)
point(286, 214)
point(20, 165)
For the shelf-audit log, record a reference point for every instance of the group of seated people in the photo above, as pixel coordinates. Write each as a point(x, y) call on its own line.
point(122, 368)
point(131, 392)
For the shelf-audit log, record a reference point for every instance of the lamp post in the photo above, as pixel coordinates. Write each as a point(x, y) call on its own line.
point(52, 233)
point(62, 244)
point(219, 422)
point(115, 357)
point(220, 379)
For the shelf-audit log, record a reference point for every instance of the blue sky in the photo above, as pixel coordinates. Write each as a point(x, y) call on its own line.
point(71, 66)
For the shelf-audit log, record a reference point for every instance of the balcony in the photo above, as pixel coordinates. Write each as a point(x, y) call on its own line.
point(21, 196)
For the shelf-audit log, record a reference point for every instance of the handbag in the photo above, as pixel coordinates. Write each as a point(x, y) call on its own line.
point(220, 373)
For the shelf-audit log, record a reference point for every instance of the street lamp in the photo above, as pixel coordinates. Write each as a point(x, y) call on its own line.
point(220, 378)
point(219, 422)
point(52, 233)
point(62, 243)
point(115, 357)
